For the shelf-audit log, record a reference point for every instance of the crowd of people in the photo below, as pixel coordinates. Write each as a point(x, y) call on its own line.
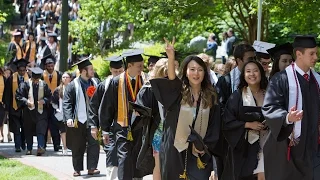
point(245, 121)
point(240, 120)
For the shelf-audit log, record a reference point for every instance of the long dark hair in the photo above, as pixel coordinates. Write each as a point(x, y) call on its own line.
point(264, 81)
point(275, 65)
point(61, 84)
point(208, 92)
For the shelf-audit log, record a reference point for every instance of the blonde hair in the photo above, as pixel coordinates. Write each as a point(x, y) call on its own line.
point(208, 60)
point(160, 69)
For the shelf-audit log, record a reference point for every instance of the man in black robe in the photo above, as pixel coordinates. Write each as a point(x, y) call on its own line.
point(15, 51)
point(75, 110)
point(53, 80)
point(294, 158)
point(114, 112)
point(225, 86)
point(116, 68)
point(34, 97)
point(11, 107)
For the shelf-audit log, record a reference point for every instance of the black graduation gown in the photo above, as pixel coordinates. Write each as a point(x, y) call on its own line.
point(55, 99)
point(149, 125)
point(168, 93)
point(34, 122)
point(69, 103)
point(108, 118)
point(15, 116)
point(241, 156)
point(94, 105)
point(275, 109)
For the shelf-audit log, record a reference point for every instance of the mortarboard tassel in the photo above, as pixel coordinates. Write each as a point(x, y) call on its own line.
point(129, 136)
point(200, 164)
point(99, 135)
point(183, 175)
point(75, 123)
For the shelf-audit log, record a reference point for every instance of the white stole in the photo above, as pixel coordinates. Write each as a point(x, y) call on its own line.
point(184, 120)
point(41, 51)
point(81, 103)
point(248, 100)
point(40, 95)
point(293, 94)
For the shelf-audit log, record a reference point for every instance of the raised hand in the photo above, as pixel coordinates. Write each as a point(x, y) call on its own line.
point(169, 47)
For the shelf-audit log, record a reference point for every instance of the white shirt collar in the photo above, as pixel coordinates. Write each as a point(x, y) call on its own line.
point(300, 71)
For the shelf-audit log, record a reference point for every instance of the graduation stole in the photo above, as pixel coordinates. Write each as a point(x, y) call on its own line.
point(183, 131)
point(1, 87)
point(124, 82)
point(32, 54)
point(40, 95)
point(15, 86)
point(295, 99)
point(54, 82)
point(248, 100)
point(19, 53)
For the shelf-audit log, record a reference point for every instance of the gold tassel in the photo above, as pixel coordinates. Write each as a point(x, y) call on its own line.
point(184, 175)
point(129, 136)
point(99, 135)
point(75, 123)
point(200, 164)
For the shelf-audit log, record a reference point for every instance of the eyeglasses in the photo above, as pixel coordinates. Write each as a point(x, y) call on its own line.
point(265, 63)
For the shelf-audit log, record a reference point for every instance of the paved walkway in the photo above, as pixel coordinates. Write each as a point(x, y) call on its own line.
point(53, 162)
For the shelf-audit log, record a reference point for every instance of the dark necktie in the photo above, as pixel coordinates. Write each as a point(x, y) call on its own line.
point(50, 78)
point(21, 79)
point(306, 77)
point(133, 84)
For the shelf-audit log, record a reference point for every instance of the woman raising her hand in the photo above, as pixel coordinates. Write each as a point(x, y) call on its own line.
point(192, 122)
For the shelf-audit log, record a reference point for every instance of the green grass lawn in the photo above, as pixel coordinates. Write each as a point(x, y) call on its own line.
point(12, 169)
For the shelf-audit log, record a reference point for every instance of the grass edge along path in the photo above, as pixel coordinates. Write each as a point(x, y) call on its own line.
point(13, 169)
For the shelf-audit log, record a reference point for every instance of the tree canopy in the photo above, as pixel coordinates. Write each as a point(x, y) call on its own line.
point(185, 19)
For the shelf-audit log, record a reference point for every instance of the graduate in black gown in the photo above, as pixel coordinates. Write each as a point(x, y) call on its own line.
point(53, 79)
point(243, 127)
point(15, 113)
point(225, 86)
point(34, 97)
point(291, 110)
point(188, 102)
point(15, 51)
point(56, 101)
point(116, 68)
point(282, 57)
point(153, 125)
point(114, 113)
point(75, 110)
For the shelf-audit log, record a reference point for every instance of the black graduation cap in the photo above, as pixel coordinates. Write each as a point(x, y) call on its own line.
point(83, 62)
point(52, 34)
point(30, 33)
point(304, 41)
point(133, 55)
point(21, 63)
point(43, 38)
point(142, 110)
point(198, 143)
point(36, 72)
point(43, 28)
point(281, 49)
point(145, 115)
point(48, 59)
point(40, 19)
point(153, 59)
point(115, 61)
